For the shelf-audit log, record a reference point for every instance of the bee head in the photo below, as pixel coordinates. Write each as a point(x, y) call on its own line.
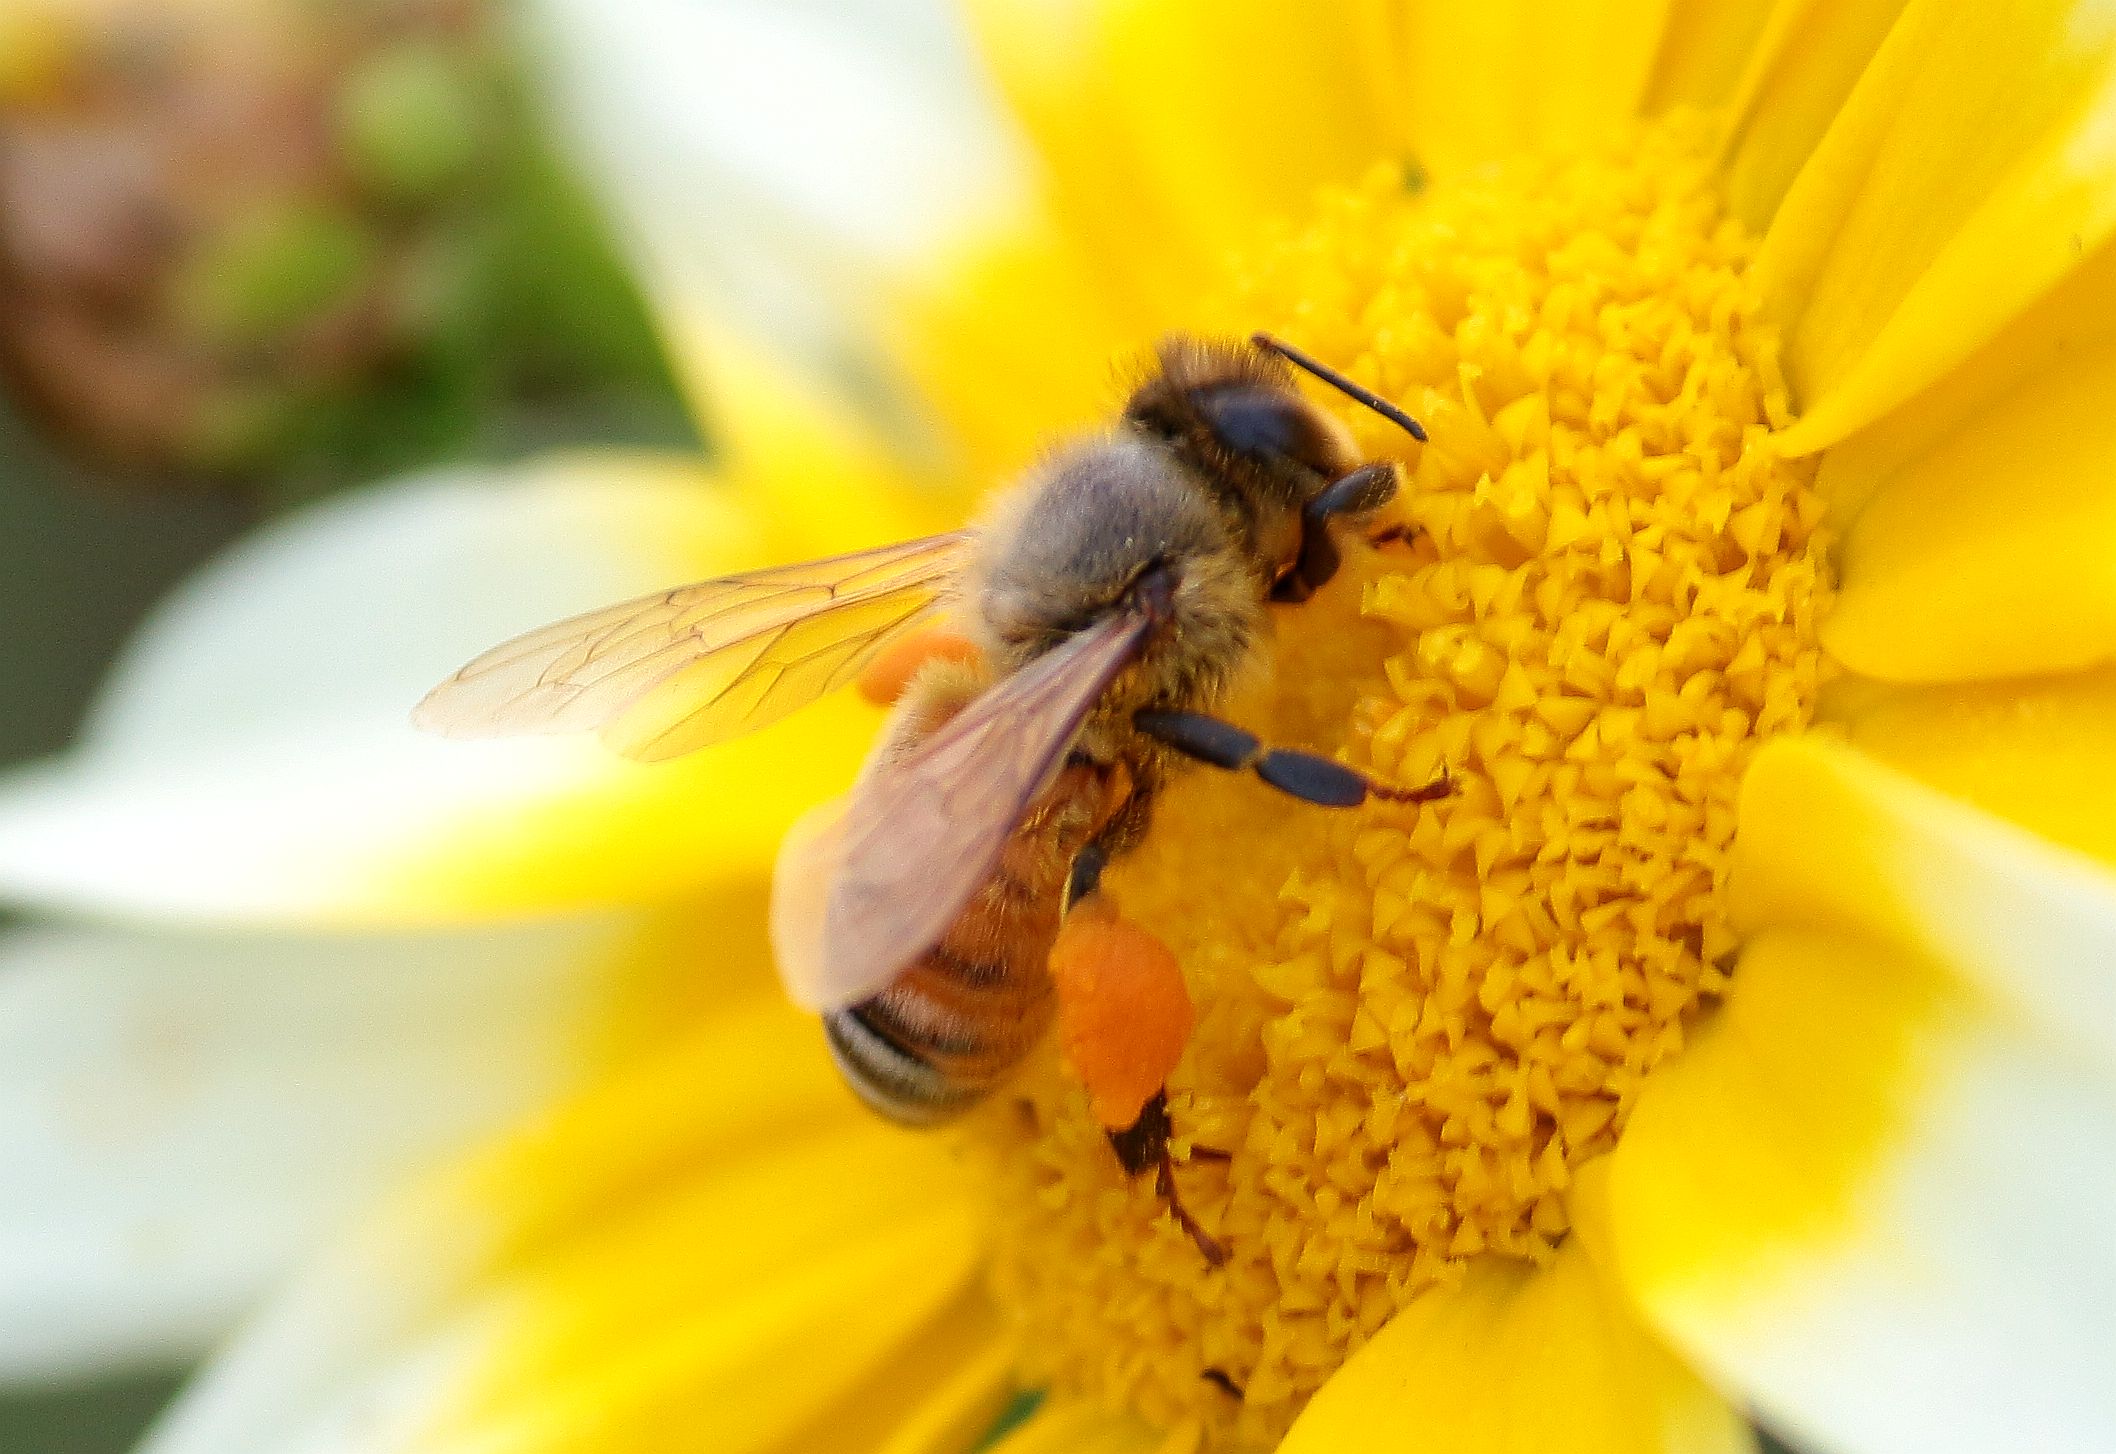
point(1233, 412)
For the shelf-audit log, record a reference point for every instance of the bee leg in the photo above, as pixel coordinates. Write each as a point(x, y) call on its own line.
point(1396, 532)
point(1361, 492)
point(1365, 489)
point(1124, 829)
point(1323, 781)
point(1087, 873)
point(1209, 1247)
point(1328, 783)
point(1124, 1015)
point(1142, 1147)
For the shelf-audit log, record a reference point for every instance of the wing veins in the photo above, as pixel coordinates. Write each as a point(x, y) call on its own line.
point(924, 832)
point(596, 669)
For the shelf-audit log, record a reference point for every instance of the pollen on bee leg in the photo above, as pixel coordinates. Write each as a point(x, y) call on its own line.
point(1124, 1014)
point(886, 677)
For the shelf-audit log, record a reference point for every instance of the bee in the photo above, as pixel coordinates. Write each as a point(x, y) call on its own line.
point(948, 909)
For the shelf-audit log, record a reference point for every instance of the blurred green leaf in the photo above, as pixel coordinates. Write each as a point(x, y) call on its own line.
point(413, 117)
point(97, 1418)
point(282, 265)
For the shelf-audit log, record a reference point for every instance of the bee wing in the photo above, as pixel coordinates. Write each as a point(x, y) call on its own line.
point(669, 673)
point(809, 860)
point(923, 833)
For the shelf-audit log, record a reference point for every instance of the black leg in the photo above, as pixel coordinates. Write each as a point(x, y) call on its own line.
point(1087, 873)
point(1124, 829)
point(1361, 492)
point(1322, 781)
point(1142, 1147)
point(1396, 532)
point(1365, 489)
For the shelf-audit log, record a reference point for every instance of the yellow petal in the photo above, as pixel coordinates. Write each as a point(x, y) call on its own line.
point(750, 1303)
point(2036, 752)
point(187, 1115)
point(1470, 83)
point(708, 1245)
point(1971, 168)
point(1065, 1426)
point(38, 43)
point(1048, 61)
point(1237, 109)
point(1831, 839)
point(960, 1407)
point(1010, 338)
point(2071, 326)
point(773, 168)
point(1169, 129)
point(1730, 1148)
point(1988, 553)
point(1707, 46)
point(1805, 64)
point(1872, 1201)
point(825, 476)
point(1518, 1359)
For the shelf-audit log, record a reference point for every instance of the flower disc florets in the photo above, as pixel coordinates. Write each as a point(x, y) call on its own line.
point(1416, 1023)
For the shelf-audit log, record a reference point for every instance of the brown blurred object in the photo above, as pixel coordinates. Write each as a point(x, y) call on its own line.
point(214, 211)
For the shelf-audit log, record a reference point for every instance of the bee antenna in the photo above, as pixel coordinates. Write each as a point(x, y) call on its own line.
point(1342, 384)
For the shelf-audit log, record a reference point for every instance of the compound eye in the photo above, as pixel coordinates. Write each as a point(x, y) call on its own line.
point(1255, 419)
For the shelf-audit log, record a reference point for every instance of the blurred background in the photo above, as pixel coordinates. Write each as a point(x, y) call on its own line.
point(253, 252)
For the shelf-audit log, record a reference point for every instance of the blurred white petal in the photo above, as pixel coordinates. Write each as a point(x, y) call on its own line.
point(774, 166)
point(731, 1163)
point(1877, 1207)
point(1873, 1196)
point(252, 756)
point(181, 1117)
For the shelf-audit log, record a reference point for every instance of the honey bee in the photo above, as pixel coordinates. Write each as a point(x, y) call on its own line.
point(948, 909)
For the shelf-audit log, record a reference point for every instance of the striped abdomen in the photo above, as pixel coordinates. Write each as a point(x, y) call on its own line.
point(953, 1026)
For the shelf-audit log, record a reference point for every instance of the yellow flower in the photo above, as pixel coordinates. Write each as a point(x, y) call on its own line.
point(1741, 1037)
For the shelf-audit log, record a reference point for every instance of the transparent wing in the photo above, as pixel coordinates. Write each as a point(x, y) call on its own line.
point(810, 857)
point(670, 673)
point(922, 834)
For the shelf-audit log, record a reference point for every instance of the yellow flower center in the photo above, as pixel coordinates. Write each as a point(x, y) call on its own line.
point(1415, 1023)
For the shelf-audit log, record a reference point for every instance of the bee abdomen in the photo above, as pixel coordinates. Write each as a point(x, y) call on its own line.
point(944, 1033)
point(954, 1025)
point(893, 1080)
point(939, 1040)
